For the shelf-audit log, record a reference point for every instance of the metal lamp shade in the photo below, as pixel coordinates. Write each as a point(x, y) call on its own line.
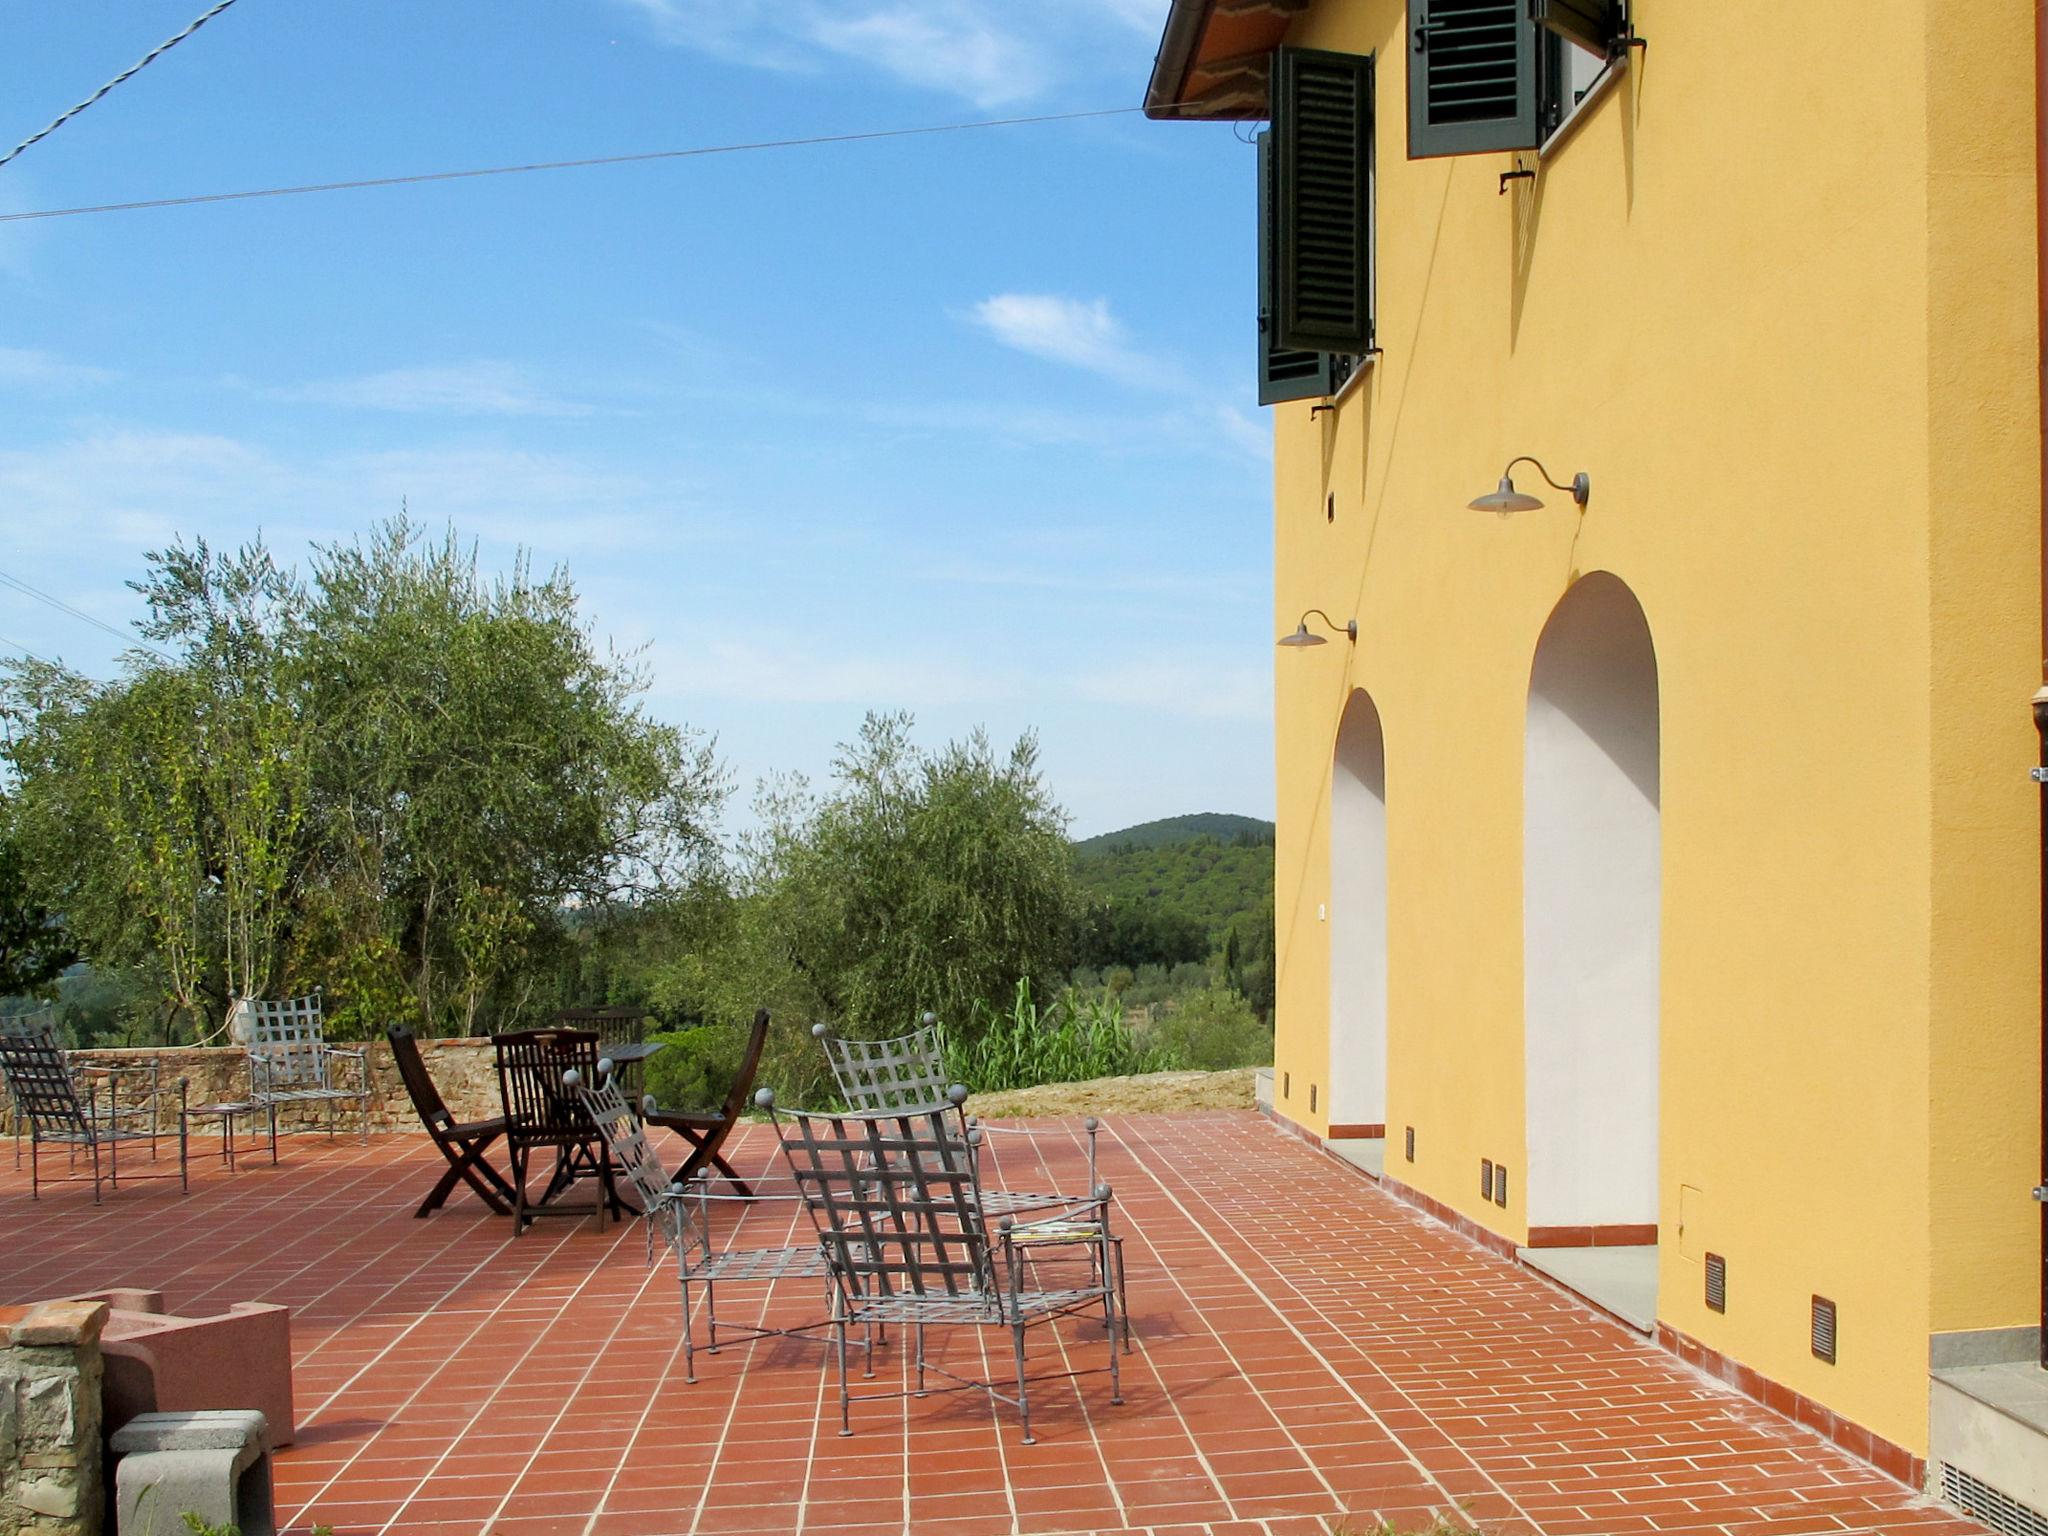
point(1506, 499)
point(1302, 637)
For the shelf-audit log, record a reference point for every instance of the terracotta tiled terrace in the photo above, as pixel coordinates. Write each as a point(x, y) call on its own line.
point(1309, 1354)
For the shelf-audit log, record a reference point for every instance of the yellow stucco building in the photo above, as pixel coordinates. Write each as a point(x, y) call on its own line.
point(1658, 877)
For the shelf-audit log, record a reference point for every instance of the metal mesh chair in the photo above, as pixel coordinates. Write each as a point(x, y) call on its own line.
point(908, 1072)
point(290, 1062)
point(677, 1213)
point(46, 1095)
point(897, 1200)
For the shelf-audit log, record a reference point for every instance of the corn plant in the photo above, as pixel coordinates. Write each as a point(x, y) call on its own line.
point(1071, 1039)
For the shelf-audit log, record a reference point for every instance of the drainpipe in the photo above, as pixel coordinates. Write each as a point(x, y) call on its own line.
point(2041, 697)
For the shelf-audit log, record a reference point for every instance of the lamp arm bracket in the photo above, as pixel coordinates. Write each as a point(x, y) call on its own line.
point(1580, 489)
point(1350, 628)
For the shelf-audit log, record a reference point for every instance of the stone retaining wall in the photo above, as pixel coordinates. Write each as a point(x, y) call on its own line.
point(50, 1418)
point(465, 1071)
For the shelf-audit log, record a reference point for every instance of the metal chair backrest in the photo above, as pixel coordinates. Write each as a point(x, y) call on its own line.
point(903, 1073)
point(420, 1086)
point(290, 1036)
point(625, 1137)
point(896, 1197)
point(612, 1026)
point(40, 1079)
point(530, 1067)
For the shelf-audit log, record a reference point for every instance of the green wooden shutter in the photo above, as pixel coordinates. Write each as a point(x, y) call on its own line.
point(1322, 178)
point(1593, 24)
point(1284, 374)
point(1471, 77)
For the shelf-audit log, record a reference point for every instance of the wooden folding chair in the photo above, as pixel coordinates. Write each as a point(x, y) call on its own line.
point(462, 1142)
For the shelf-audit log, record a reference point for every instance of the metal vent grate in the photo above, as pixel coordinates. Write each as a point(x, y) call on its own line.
point(1500, 1185)
point(1717, 1283)
point(1486, 1178)
point(1311, 1098)
point(1286, 1085)
point(1410, 1144)
point(1998, 1510)
point(1823, 1329)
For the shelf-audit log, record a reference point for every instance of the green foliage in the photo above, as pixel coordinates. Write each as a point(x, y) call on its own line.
point(1216, 825)
point(1199, 884)
point(923, 880)
point(35, 947)
point(393, 777)
point(1072, 1039)
point(1212, 1030)
point(697, 1069)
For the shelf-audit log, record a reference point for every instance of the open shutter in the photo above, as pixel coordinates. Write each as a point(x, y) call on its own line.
point(1283, 374)
point(1594, 25)
point(1471, 77)
point(1322, 177)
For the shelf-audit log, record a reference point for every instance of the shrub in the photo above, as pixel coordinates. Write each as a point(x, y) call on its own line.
point(697, 1069)
point(1211, 1030)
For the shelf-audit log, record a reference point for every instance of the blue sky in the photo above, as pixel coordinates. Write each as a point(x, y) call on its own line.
point(959, 424)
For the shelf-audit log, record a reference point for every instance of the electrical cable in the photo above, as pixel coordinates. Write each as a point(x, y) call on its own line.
point(560, 165)
point(18, 585)
point(127, 74)
point(16, 645)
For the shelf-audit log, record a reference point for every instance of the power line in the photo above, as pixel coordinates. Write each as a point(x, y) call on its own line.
point(18, 585)
point(127, 74)
point(16, 645)
point(561, 165)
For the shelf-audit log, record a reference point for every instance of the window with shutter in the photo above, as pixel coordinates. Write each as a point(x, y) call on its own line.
point(1595, 25)
point(1322, 175)
point(1472, 77)
point(1284, 373)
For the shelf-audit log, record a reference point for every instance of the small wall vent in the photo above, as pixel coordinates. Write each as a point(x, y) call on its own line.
point(1408, 1146)
point(1286, 1085)
point(1500, 1185)
point(2000, 1511)
point(1823, 1329)
point(1311, 1098)
point(1486, 1178)
point(1717, 1283)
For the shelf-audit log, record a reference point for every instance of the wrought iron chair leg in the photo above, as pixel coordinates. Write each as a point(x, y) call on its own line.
point(95, 1170)
point(689, 1344)
point(711, 1313)
point(920, 1359)
point(35, 1147)
point(1123, 1297)
point(1023, 1391)
point(845, 1400)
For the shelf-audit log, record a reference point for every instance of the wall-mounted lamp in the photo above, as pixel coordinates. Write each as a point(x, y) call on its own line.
point(1302, 637)
point(1507, 499)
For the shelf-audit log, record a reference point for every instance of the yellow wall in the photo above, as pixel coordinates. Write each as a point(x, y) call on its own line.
point(1775, 294)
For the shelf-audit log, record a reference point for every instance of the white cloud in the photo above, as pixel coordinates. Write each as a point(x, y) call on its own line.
point(33, 369)
point(990, 54)
point(485, 388)
point(1079, 332)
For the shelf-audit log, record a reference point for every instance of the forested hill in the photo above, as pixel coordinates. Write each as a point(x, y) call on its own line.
point(1221, 827)
point(1210, 871)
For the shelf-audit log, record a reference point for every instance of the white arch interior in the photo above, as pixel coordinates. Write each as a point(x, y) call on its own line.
point(1358, 919)
point(1590, 911)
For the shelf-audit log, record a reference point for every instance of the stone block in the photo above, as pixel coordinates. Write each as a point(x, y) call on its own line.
point(210, 1464)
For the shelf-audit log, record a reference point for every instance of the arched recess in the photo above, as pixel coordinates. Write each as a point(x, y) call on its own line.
point(1592, 882)
point(1358, 923)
